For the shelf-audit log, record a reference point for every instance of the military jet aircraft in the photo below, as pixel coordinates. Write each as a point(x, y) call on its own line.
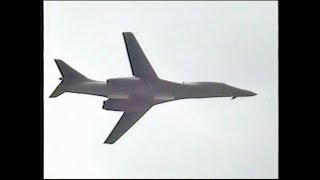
point(136, 95)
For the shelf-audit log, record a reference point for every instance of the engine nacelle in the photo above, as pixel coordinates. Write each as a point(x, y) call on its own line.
point(115, 105)
point(124, 105)
point(123, 81)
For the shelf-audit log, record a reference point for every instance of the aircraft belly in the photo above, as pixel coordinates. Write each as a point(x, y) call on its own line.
point(118, 92)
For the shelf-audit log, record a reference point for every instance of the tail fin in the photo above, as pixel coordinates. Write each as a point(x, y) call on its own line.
point(69, 77)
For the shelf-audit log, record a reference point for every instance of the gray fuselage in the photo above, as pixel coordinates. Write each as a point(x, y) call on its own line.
point(157, 91)
point(136, 95)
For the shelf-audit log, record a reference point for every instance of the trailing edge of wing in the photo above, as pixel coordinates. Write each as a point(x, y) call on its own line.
point(139, 63)
point(127, 120)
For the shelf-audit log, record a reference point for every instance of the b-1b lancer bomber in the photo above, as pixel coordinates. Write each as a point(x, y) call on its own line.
point(136, 95)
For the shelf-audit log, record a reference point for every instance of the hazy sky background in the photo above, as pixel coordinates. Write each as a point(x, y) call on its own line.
point(231, 42)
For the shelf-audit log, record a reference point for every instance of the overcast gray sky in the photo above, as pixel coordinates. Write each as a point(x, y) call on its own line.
point(231, 42)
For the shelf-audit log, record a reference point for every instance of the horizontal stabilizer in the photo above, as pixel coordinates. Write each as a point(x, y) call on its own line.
point(70, 77)
point(68, 72)
point(58, 91)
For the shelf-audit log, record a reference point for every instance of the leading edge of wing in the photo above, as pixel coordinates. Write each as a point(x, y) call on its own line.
point(139, 63)
point(127, 120)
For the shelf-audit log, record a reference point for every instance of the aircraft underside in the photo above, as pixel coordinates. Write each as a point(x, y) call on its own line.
point(136, 95)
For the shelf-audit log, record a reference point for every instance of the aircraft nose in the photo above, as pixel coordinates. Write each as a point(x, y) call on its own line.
point(246, 93)
point(250, 93)
point(236, 92)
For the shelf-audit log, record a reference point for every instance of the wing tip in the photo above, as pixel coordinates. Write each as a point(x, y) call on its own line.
point(108, 142)
point(127, 32)
point(58, 60)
